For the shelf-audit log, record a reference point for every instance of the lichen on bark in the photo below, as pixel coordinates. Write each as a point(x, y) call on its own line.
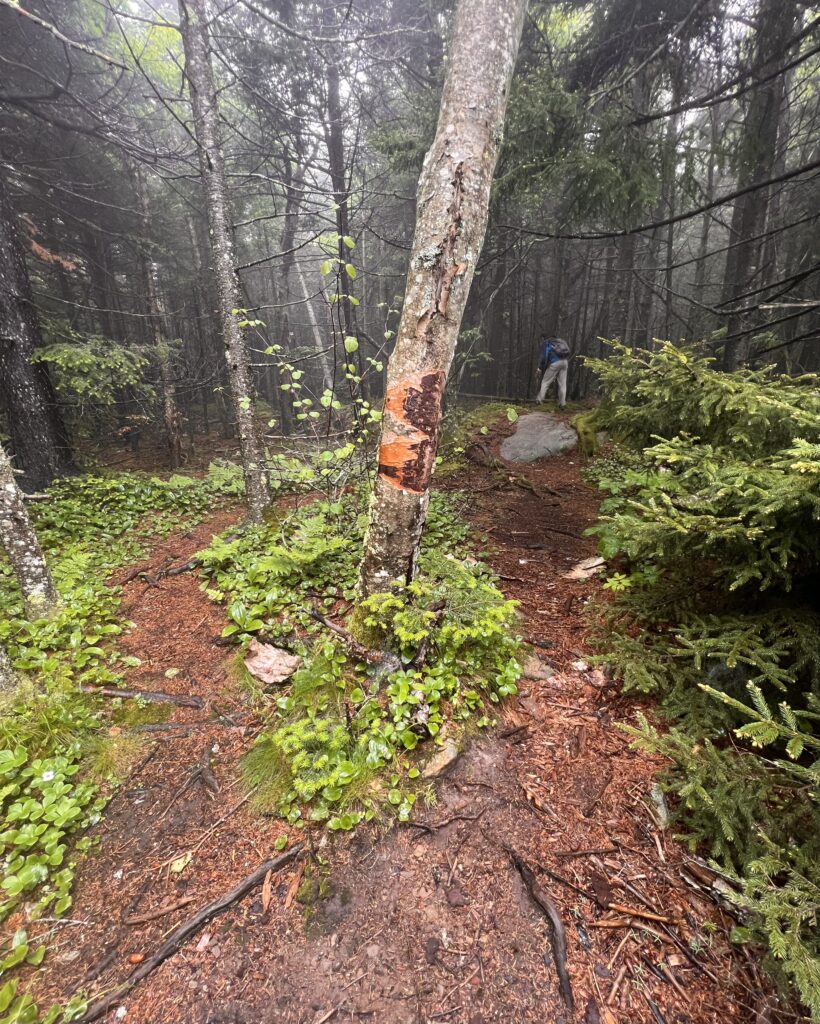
point(20, 542)
point(453, 201)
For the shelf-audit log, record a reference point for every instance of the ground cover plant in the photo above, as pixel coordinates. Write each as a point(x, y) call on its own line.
point(712, 525)
point(424, 659)
point(55, 772)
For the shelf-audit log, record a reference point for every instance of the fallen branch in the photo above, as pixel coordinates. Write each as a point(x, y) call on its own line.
point(184, 932)
point(557, 935)
point(201, 773)
point(366, 653)
point(189, 566)
point(159, 912)
point(636, 912)
point(153, 696)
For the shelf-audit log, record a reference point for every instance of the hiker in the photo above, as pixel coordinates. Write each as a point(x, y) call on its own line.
point(553, 364)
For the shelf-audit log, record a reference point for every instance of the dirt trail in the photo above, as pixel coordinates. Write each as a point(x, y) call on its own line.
point(430, 922)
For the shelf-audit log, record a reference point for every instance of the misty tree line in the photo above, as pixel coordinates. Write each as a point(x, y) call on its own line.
point(657, 180)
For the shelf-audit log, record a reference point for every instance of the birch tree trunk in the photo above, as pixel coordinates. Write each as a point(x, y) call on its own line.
point(20, 542)
point(451, 219)
point(8, 678)
point(199, 72)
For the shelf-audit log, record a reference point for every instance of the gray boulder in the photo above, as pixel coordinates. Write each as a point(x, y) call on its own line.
point(537, 435)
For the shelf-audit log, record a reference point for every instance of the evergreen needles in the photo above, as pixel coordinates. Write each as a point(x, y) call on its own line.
point(712, 521)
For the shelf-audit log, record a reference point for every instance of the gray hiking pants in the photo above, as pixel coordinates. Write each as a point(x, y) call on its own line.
point(557, 369)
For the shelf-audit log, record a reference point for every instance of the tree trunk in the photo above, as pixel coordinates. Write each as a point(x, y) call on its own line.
point(38, 436)
point(20, 542)
point(172, 420)
point(758, 153)
point(453, 200)
point(8, 678)
point(198, 70)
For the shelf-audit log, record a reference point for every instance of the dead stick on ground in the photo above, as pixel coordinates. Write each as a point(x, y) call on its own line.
point(159, 912)
point(184, 932)
point(636, 912)
point(558, 937)
point(152, 697)
point(616, 984)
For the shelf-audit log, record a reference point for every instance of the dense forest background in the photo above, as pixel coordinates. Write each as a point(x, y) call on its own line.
point(658, 180)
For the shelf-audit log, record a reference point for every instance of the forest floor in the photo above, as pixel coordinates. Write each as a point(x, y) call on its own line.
point(429, 921)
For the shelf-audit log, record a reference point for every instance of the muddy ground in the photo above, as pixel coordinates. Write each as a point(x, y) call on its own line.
point(431, 921)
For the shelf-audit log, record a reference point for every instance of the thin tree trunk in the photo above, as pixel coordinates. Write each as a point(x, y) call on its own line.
point(324, 357)
point(38, 437)
point(20, 542)
point(198, 70)
point(451, 220)
point(172, 420)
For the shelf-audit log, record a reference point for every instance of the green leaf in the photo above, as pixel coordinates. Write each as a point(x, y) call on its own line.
point(348, 241)
point(326, 267)
point(351, 344)
point(7, 994)
point(350, 270)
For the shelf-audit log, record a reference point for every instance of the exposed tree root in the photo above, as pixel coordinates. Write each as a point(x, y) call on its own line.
point(184, 932)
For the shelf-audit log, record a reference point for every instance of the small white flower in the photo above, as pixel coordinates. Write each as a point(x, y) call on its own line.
point(48, 776)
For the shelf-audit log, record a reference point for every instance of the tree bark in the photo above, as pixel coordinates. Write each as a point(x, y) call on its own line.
point(20, 542)
point(8, 678)
point(171, 417)
point(451, 220)
point(758, 153)
point(38, 437)
point(198, 70)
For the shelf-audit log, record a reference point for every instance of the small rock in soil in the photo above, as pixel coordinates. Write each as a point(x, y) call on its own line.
point(441, 760)
point(534, 668)
point(270, 664)
point(585, 569)
point(431, 948)
point(456, 896)
point(660, 807)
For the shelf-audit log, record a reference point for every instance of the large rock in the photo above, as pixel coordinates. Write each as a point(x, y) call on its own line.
point(537, 435)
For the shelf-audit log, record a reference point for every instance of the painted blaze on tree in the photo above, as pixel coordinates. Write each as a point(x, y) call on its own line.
point(408, 447)
point(453, 199)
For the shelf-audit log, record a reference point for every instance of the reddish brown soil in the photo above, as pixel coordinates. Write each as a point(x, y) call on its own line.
point(425, 923)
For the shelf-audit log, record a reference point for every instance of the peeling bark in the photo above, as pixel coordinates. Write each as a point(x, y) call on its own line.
point(453, 201)
point(20, 542)
point(199, 72)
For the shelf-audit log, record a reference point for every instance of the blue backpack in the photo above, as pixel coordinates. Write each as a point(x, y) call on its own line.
point(553, 350)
